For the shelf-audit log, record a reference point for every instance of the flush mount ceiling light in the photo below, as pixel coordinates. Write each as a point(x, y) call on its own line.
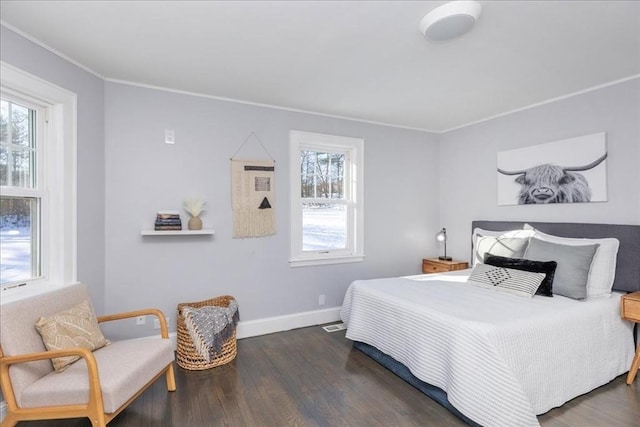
point(450, 20)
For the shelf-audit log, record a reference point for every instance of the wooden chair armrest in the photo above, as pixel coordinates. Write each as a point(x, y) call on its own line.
point(43, 355)
point(95, 391)
point(164, 331)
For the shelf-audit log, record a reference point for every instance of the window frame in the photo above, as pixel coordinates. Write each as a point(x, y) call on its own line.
point(353, 148)
point(58, 185)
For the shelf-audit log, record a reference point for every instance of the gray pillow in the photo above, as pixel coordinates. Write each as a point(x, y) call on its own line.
point(574, 262)
point(508, 247)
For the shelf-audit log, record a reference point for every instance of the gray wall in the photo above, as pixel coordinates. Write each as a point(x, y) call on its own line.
point(19, 52)
point(144, 175)
point(468, 162)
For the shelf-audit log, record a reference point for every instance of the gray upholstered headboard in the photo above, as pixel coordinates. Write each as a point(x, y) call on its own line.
point(628, 264)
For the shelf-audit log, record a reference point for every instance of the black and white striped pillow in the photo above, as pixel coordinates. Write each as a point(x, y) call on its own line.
point(518, 282)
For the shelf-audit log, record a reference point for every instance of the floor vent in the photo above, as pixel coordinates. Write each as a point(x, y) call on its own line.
point(336, 327)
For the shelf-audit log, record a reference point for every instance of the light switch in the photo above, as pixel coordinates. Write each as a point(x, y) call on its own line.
point(169, 136)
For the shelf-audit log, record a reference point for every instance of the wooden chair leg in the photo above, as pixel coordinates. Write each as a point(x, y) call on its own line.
point(9, 421)
point(98, 421)
point(171, 379)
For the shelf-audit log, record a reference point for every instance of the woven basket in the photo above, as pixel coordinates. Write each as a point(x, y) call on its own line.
point(188, 356)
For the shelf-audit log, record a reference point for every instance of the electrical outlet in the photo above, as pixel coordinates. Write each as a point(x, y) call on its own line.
point(321, 300)
point(169, 136)
point(156, 322)
point(140, 320)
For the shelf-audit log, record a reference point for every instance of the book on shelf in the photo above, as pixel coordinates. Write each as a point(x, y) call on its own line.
point(167, 227)
point(169, 221)
point(167, 215)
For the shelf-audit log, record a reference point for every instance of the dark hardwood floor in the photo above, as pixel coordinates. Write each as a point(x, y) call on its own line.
point(308, 377)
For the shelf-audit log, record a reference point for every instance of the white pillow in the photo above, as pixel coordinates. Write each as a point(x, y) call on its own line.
point(480, 248)
point(517, 282)
point(603, 266)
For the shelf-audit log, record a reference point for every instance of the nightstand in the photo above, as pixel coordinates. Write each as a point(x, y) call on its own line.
point(435, 265)
point(631, 311)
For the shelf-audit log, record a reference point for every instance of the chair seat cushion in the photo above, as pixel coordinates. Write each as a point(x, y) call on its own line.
point(124, 368)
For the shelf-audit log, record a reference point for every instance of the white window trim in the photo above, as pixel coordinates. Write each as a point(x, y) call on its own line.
point(59, 228)
point(355, 147)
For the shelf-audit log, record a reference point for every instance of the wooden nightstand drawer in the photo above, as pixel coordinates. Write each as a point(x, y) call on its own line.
point(631, 307)
point(428, 267)
point(435, 265)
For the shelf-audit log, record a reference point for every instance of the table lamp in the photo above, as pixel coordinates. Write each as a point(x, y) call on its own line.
point(442, 238)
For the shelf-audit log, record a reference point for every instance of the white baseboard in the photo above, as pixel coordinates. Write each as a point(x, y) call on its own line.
point(270, 325)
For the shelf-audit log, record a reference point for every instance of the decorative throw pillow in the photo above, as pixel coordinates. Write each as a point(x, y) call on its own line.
point(517, 282)
point(548, 268)
point(503, 245)
point(574, 262)
point(75, 327)
point(603, 266)
point(493, 241)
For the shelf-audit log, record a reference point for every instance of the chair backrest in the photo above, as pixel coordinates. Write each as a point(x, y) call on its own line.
point(18, 334)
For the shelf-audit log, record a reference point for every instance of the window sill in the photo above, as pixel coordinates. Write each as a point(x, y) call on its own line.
point(305, 262)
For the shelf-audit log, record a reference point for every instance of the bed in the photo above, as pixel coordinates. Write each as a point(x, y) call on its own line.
point(524, 356)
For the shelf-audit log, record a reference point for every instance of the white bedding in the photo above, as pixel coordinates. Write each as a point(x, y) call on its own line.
point(500, 358)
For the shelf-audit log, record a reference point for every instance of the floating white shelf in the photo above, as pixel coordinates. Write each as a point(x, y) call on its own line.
point(177, 232)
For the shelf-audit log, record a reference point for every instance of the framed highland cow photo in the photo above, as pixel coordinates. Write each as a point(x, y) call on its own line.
point(568, 171)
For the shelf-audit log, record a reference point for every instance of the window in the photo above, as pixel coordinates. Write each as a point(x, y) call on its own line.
point(21, 198)
point(326, 199)
point(37, 183)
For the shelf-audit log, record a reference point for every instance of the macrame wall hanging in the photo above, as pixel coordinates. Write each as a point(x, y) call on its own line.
point(253, 195)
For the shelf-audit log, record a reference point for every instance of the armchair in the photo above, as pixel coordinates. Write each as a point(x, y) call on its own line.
point(99, 386)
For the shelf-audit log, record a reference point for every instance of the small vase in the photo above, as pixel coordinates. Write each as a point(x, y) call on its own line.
point(195, 223)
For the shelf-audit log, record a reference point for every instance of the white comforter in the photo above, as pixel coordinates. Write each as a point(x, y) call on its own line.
point(500, 358)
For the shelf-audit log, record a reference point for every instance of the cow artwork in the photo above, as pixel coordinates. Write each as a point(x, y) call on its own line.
point(548, 183)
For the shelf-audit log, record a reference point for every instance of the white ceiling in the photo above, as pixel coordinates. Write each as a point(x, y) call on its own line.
point(358, 59)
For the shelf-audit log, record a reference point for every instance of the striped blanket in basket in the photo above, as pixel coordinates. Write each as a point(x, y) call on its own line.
point(210, 326)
